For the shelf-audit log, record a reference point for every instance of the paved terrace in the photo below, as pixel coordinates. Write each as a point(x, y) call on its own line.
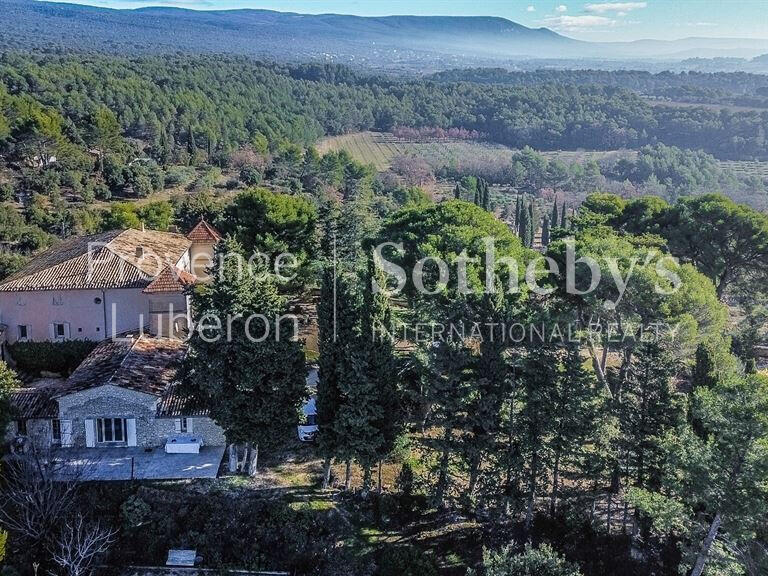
point(136, 464)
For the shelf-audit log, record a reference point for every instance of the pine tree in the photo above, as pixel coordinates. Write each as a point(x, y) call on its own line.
point(485, 194)
point(648, 409)
point(447, 384)
point(164, 149)
point(252, 389)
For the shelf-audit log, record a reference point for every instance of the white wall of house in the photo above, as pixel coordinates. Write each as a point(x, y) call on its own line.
point(82, 312)
point(85, 314)
point(127, 310)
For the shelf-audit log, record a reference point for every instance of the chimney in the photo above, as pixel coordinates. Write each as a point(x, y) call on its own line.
point(139, 251)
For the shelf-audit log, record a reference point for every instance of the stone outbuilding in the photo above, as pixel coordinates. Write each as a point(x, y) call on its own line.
point(123, 394)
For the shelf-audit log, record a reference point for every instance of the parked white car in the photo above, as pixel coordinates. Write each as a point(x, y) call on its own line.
point(308, 426)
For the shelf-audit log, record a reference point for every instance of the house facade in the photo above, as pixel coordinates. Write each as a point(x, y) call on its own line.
point(127, 290)
point(98, 286)
point(123, 394)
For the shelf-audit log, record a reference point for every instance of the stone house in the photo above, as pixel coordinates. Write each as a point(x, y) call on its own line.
point(123, 394)
point(99, 286)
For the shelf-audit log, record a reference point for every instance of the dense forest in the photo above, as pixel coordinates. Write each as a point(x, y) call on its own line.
point(225, 101)
point(734, 88)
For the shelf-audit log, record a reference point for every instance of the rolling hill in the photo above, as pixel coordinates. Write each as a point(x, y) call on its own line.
point(423, 43)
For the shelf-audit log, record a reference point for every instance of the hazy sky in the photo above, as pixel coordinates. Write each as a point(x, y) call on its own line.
point(619, 20)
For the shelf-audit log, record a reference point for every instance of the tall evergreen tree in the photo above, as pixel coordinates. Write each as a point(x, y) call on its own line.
point(545, 233)
point(577, 403)
point(563, 217)
point(457, 192)
point(336, 330)
point(533, 222)
point(554, 218)
point(251, 385)
point(540, 373)
point(191, 146)
point(526, 226)
point(490, 386)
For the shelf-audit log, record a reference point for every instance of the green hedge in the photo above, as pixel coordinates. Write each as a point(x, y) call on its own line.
point(59, 357)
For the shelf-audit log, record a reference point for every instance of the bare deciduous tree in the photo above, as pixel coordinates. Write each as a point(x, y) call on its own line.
point(36, 495)
point(80, 543)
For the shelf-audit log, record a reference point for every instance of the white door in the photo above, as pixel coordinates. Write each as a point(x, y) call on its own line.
point(66, 433)
point(130, 425)
point(90, 433)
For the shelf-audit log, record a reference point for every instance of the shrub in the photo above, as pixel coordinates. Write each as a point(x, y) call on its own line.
point(541, 561)
point(58, 357)
point(134, 512)
point(406, 561)
point(250, 175)
point(178, 175)
point(6, 191)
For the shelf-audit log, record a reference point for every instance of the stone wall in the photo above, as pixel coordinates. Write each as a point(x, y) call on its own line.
point(115, 402)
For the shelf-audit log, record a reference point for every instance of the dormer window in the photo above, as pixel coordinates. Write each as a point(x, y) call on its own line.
point(139, 251)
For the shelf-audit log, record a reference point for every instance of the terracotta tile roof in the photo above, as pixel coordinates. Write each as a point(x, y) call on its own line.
point(144, 364)
point(204, 232)
point(116, 259)
point(171, 279)
point(172, 404)
point(34, 403)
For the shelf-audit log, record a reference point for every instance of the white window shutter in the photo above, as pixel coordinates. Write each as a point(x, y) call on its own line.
point(66, 330)
point(90, 433)
point(52, 331)
point(130, 425)
point(190, 429)
point(66, 433)
point(177, 425)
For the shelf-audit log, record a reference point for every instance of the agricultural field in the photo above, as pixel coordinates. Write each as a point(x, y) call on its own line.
point(379, 148)
point(746, 167)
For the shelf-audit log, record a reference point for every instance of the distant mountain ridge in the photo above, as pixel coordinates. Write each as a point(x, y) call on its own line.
point(424, 42)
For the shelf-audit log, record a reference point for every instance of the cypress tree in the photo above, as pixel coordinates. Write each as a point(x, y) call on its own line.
point(191, 146)
point(554, 218)
point(485, 194)
point(545, 232)
point(517, 214)
point(251, 388)
point(533, 222)
point(563, 217)
point(524, 231)
point(457, 192)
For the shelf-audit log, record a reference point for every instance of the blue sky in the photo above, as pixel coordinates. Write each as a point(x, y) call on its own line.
point(596, 20)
